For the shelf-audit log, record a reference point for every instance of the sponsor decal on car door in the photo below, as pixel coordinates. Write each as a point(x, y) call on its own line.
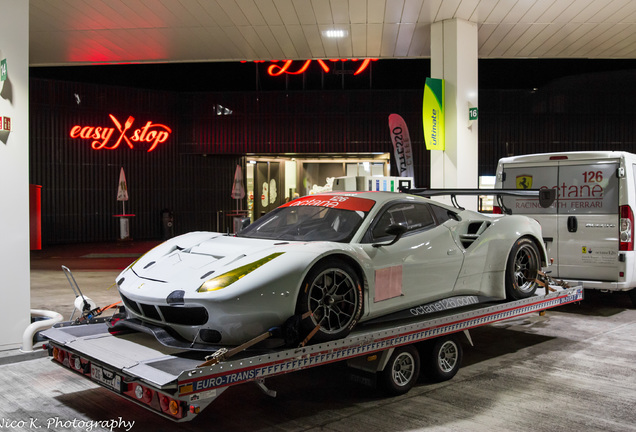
point(425, 262)
point(428, 269)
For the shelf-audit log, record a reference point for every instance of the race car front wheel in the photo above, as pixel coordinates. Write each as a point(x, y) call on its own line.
point(332, 293)
point(522, 269)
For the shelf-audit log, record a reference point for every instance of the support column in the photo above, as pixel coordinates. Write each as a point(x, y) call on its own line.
point(454, 58)
point(15, 305)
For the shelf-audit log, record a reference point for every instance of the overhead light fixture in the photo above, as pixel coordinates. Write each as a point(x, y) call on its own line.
point(334, 33)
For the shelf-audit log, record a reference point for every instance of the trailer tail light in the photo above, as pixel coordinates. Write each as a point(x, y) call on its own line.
point(144, 394)
point(79, 364)
point(61, 356)
point(155, 400)
point(171, 406)
point(497, 210)
point(626, 234)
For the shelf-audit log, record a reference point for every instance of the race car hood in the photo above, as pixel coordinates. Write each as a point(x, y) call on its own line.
point(186, 262)
point(198, 254)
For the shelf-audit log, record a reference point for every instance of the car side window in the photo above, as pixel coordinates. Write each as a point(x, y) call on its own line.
point(442, 214)
point(414, 216)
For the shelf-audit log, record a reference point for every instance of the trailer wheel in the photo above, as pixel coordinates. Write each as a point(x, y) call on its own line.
point(522, 269)
point(332, 292)
point(401, 372)
point(444, 359)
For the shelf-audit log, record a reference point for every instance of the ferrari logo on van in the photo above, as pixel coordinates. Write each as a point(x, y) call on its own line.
point(524, 182)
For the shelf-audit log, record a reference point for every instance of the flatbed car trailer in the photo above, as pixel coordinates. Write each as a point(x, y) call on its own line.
point(179, 384)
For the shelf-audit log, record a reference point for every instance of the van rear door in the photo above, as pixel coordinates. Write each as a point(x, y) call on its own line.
point(588, 220)
point(581, 228)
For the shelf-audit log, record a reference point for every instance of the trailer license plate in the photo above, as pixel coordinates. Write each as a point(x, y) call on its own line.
point(106, 377)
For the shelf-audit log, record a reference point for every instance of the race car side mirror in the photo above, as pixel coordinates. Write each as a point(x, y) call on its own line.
point(396, 230)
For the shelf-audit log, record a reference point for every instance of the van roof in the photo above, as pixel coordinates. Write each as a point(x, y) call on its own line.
point(579, 155)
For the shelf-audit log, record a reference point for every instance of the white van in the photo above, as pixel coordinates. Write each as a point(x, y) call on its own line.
point(589, 230)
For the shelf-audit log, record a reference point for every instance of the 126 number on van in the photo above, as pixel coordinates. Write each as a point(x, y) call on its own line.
point(593, 176)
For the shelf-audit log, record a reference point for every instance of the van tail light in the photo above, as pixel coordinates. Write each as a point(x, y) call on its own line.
point(626, 234)
point(497, 210)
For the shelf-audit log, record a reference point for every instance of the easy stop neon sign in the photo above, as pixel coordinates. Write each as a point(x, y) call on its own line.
point(104, 138)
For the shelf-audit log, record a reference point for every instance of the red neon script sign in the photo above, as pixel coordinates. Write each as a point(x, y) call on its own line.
point(151, 133)
point(277, 70)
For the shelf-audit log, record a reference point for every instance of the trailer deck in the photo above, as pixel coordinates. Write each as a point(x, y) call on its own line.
point(173, 383)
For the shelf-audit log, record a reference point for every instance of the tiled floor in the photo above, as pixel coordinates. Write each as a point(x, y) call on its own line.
point(570, 370)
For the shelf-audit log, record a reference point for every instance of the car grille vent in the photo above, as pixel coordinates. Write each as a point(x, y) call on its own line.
point(150, 311)
point(474, 231)
point(130, 304)
point(184, 315)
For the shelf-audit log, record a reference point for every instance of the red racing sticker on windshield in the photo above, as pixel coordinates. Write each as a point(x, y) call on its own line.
point(334, 201)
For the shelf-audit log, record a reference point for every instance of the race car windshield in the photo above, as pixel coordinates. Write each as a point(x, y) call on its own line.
point(306, 223)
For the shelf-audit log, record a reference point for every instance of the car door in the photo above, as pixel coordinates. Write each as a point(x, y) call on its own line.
point(422, 265)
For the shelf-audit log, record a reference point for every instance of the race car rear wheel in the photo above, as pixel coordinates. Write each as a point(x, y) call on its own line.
point(522, 269)
point(332, 293)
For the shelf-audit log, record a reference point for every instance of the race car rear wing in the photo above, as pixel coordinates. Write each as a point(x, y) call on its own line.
point(546, 196)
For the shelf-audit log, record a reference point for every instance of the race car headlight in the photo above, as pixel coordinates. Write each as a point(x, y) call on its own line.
point(227, 279)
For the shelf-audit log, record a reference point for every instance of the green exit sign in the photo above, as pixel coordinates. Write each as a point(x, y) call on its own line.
point(473, 113)
point(3, 70)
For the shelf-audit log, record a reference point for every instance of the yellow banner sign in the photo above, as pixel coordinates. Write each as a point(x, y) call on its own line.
point(433, 114)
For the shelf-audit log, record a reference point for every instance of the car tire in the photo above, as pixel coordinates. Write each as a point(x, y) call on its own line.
point(401, 372)
point(522, 269)
point(443, 358)
point(332, 293)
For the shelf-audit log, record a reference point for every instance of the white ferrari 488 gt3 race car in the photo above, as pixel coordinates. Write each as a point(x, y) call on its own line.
point(335, 259)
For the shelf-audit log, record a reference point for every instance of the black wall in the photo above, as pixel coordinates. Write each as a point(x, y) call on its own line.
point(79, 184)
point(192, 173)
point(578, 113)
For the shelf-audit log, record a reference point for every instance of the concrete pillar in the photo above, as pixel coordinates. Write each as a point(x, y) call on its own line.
point(454, 59)
point(14, 175)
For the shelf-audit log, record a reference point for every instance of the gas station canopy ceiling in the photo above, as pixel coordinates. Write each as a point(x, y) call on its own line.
point(79, 32)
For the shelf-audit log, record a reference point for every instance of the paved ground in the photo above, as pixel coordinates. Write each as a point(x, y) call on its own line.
point(90, 256)
point(571, 370)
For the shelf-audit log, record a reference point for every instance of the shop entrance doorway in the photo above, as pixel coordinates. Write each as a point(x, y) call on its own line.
point(266, 187)
point(275, 179)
